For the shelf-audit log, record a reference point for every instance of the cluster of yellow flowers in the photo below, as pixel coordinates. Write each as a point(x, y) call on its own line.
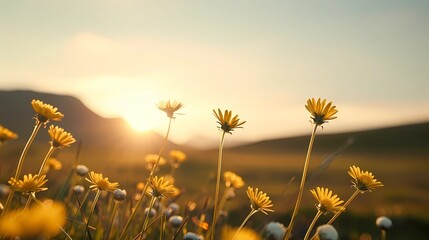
point(48, 219)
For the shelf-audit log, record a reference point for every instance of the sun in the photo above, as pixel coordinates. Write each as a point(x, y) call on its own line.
point(143, 121)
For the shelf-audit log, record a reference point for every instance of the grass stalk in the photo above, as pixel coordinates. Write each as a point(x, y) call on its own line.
point(216, 200)
point(301, 187)
point(318, 214)
point(21, 163)
point(94, 203)
point(133, 212)
point(244, 222)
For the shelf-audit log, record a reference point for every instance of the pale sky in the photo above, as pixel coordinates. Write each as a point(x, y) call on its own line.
point(260, 59)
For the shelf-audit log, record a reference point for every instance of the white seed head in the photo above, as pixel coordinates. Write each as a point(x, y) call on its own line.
point(151, 213)
point(175, 221)
point(4, 189)
point(82, 170)
point(383, 223)
point(327, 232)
point(192, 236)
point(119, 194)
point(274, 231)
point(78, 189)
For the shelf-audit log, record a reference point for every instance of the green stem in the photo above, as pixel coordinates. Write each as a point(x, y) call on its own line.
point(339, 212)
point(48, 155)
point(146, 220)
point(244, 222)
point(21, 163)
point(312, 224)
point(383, 234)
point(219, 170)
point(301, 187)
point(133, 212)
point(223, 199)
point(97, 195)
point(345, 206)
point(112, 218)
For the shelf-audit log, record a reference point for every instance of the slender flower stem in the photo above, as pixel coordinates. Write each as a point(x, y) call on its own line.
point(97, 195)
point(312, 224)
point(146, 220)
point(21, 163)
point(244, 222)
point(48, 155)
point(223, 199)
point(133, 212)
point(345, 206)
point(219, 170)
point(301, 187)
point(112, 218)
point(339, 212)
point(383, 234)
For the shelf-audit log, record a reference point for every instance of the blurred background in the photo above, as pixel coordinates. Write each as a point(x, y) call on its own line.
point(106, 64)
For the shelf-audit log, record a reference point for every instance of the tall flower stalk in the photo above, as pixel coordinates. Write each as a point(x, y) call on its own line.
point(98, 184)
point(259, 201)
point(169, 108)
point(227, 125)
point(160, 188)
point(321, 113)
point(44, 113)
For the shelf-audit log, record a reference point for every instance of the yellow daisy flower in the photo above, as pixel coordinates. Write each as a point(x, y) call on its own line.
point(45, 112)
point(100, 183)
point(363, 181)
point(227, 124)
point(259, 201)
point(327, 202)
point(161, 188)
point(232, 179)
point(30, 184)
point(320, 111)
point(52, 163)
point(151, 159)
point(59, 137)
point(6, 134)
point(229, 233)
point(177, 156)
point(169, 107)
point(35, 222)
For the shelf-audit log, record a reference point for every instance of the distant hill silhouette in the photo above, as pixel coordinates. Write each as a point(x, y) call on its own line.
point(92, 130)
point(402, 139)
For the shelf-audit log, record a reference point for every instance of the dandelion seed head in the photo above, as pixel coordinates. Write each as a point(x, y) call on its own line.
point(327, 232)
point(383, 223)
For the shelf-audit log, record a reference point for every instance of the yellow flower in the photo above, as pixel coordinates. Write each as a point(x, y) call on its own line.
point(39, 220)
point(169, 107)
point(29, 184)
point(52, 163)
point(161, 188)
point(327, 202)
point(232, 179)
point(227, 124)
point(363, 181)
point(151, 159)
point(320, 111)
point(60, 138)
point(244, 234)
point(100, 183)
point(177, 156)
point(6, 134)
point(45, 112)
point(259, 201)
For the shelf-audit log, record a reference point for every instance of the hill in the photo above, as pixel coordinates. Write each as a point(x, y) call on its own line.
point(101, 139)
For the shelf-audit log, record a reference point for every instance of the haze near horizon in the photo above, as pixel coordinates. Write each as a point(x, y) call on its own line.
point(260, 60)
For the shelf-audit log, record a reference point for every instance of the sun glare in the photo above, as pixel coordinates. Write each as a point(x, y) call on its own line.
point(142, 122)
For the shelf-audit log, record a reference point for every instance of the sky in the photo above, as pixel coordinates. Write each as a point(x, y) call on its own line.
point(260, 59)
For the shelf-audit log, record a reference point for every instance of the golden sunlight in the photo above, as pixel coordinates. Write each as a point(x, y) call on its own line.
point(142, 121)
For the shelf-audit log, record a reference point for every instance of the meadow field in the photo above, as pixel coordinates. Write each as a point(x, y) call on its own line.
point(397, 156)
